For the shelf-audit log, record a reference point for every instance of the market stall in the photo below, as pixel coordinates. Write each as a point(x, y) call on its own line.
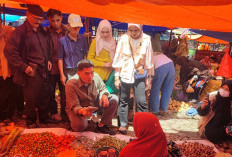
point(61, 142)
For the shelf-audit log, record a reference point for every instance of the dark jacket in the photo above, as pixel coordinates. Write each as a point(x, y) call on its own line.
point(25, 46)
point(54, 37)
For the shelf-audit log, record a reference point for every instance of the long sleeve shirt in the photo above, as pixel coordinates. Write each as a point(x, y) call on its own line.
point(80, 95)
point(205, 111)
point(124, 63)
point(25, 46)
point(99, 61)
point(70, 51)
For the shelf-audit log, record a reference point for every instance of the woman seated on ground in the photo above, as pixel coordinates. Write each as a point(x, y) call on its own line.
point(151, 140)
point(216, 112)
point(185, 69)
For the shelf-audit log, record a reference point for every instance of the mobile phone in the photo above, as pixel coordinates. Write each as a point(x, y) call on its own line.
point(207, 96)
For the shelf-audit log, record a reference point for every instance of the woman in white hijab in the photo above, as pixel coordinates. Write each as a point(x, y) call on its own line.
point(133, 53)
point(102, 50)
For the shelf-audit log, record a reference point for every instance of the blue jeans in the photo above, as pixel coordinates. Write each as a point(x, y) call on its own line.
point(162, 81)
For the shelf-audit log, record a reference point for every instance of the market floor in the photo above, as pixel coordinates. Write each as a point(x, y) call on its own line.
point(176, 125)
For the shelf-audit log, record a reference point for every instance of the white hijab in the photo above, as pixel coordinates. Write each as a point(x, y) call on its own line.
point(139, 26)
point(109, 43)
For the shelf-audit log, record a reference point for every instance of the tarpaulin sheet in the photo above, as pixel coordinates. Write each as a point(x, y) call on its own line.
point(205, 14)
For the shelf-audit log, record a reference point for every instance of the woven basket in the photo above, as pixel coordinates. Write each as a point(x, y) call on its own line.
point(212, 85)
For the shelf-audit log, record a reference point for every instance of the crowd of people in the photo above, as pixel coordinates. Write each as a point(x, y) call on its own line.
point(34, 59)
point(42, 57)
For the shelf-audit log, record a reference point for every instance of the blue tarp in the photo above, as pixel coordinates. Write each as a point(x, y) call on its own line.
point(227, 36)
point(10, 18)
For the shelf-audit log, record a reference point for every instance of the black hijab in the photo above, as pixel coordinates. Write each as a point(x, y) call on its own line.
point(222, 105)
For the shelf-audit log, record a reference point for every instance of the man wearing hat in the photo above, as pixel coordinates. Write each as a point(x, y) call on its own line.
point(28, 52)
point(71, 49)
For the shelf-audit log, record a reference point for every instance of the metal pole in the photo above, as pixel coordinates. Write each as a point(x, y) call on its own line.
point(170, 39)
point(230, 49)
point(1, 12)
point(4, 14)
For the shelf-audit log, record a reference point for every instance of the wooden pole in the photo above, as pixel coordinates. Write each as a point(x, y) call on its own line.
point(87, 29)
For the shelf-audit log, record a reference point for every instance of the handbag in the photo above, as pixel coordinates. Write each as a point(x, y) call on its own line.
point(141, 73)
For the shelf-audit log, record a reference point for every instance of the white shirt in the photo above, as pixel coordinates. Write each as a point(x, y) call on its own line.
point(123, 61)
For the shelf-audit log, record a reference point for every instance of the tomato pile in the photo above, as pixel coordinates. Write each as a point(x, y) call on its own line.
point(41, 144)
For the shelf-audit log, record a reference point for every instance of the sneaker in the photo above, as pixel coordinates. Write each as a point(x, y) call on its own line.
point(162, 113)
point(156, 113)
point(105, 130)
point(122, 130)
point(56, 117)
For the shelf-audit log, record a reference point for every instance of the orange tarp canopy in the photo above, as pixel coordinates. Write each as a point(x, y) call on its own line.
point(197, 14)
point(206, 39)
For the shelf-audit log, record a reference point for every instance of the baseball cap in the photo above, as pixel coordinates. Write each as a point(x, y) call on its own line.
point(35, 10)
point(75, 20)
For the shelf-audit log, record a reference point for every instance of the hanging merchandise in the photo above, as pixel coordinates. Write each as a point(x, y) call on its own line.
point(225, 69)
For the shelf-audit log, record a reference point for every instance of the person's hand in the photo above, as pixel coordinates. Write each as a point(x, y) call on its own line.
point(63, 79)
point(176, 81)
point(190, 81)
point(117, 83)
point(204, 103)
point(49, 66)
point(147, 84)
point(228, 130)
point(88, 34)
point(108, 64)
point(104, 101)
point(85, 112)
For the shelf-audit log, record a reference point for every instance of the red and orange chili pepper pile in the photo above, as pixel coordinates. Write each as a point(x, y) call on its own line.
point(41, 144)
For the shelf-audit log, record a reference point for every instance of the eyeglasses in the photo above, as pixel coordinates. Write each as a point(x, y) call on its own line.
point(37, 19)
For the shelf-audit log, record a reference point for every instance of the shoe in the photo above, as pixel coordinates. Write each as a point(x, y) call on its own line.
point(105, 130)
point(122, 131)
point(162, 113)
point(56, 117)
point(156, 113)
